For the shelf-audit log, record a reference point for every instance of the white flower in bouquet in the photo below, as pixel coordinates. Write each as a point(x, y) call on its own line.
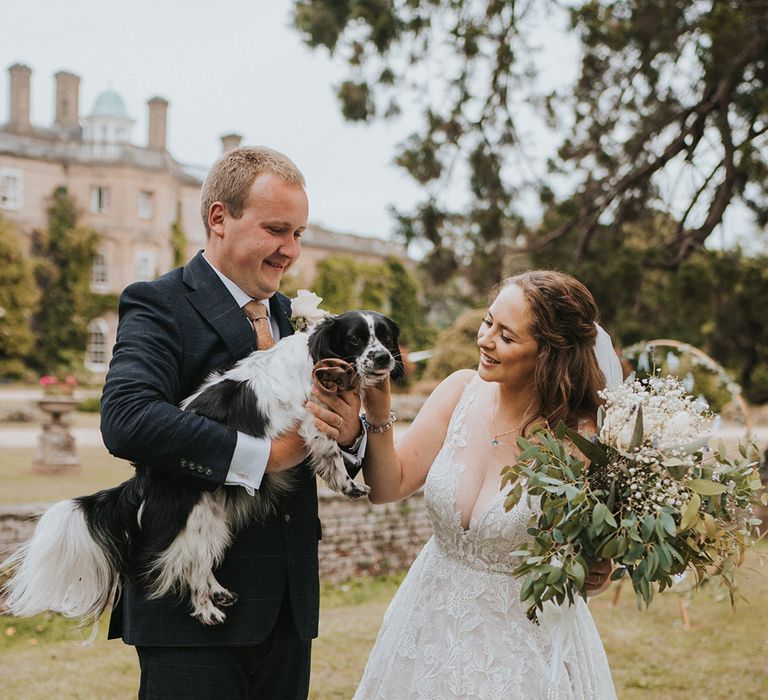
point(647, 493)
point(305, 310)
point(654, 417)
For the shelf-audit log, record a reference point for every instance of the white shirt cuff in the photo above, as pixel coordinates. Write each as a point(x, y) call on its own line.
point(354, 456)
point(249, 462)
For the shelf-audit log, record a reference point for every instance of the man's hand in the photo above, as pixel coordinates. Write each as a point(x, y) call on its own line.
point(287, 451)
point(598, 579)
point(338, 416)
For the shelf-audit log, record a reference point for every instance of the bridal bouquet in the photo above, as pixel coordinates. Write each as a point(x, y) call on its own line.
point(646, 492)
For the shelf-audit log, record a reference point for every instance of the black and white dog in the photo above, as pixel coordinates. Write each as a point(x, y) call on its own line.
point(159, 530)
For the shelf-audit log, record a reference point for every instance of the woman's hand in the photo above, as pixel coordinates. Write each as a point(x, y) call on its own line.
point(599, 578)
point(377, 402)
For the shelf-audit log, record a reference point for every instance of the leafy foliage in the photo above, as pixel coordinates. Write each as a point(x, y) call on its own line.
point(18, 298)
point(656, 513)
point(178, 239)
point(63, 259)
point(345, 283)
point(667, 115)
point(456, 347)
point(717, 300)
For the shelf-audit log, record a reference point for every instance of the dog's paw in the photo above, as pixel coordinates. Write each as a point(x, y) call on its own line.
point(224, 598)
point(354, 490)
point(207, 613)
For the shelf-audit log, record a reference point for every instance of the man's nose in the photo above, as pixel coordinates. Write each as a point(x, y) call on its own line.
point(291, 248)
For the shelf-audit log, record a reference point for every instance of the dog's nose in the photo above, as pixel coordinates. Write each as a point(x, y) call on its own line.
point(382, 359)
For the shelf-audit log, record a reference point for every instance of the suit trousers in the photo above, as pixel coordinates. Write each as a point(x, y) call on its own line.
point(275, 669)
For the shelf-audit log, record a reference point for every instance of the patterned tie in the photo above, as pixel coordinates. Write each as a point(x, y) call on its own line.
point(257, 315)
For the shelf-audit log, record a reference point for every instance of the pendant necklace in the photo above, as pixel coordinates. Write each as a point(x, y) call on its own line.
point(495, 442)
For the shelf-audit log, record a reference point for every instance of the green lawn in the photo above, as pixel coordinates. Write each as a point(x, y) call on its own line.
point(723, 656)
point(18, 484)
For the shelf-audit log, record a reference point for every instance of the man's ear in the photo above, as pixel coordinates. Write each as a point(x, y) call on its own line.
point(216, 214)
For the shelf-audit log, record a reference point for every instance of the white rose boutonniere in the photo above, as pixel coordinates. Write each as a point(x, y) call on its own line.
point(305, 311)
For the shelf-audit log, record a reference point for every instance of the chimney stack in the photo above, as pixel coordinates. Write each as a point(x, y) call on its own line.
point(19, 116)
point(158, 111)
point(230, 141)
point(67, 100)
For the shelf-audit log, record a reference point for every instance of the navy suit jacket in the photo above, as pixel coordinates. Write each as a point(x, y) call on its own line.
point(172, 333)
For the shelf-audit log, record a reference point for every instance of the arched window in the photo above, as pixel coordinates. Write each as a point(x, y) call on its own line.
point(96, 350)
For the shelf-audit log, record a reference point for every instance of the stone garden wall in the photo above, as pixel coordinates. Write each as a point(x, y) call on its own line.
point(358, 538)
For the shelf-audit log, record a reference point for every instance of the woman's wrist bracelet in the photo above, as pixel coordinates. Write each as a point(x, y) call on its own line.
point(378, 428)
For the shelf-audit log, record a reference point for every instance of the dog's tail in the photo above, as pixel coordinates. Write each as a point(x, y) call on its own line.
point(73, 561)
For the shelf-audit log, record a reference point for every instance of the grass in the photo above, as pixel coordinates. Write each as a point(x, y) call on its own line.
point(722, 656)
point(651, 656)
point(18, 484)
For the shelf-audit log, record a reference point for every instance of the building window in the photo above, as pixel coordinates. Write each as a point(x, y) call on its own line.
point(145, 266)
point(96, 350)
point(99, 199)
point(11, 181)
point(99, 280)
point(146, 205)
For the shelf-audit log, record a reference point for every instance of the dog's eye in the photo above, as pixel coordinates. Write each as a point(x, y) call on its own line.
point(386, 337)
point(355, 340)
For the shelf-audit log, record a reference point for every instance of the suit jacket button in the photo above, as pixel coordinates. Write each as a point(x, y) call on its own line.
point(287, 517)
point(200, 468)
point(209, 472)
point(183, 463)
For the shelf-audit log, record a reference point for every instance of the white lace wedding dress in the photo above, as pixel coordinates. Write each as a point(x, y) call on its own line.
point(456, 627)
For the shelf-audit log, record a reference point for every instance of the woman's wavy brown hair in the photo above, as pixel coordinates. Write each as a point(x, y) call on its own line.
point(563, 317)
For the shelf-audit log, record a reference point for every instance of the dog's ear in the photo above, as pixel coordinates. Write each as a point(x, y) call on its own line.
point(398, 372)
point(321, 339)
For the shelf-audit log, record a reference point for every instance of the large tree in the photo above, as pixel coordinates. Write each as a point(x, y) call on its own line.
point(668, 114)
point(63, 261)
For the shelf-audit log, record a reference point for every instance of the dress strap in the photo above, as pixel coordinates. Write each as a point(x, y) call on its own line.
point(457, 431)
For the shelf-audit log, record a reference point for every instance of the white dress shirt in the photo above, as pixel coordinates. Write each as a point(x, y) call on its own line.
point(249, 460)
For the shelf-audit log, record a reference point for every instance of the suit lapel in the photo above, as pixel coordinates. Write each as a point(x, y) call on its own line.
point(216, 305)
point(280, 310)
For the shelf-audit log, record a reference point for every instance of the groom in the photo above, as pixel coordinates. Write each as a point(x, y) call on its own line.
point(172, 333)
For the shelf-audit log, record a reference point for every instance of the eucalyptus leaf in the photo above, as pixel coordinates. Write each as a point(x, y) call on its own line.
point(594, 453)
point(579, 574)
point(676, 467)
point(706, 487)
point(598, 515)
point(647, 527)
point(669, 524)
point(690, 512)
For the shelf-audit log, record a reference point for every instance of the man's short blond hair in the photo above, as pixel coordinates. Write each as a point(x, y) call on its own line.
point(230, 178)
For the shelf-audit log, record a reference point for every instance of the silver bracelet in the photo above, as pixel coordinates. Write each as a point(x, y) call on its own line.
point(378, 428)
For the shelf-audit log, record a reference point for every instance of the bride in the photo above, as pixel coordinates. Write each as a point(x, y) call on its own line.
point(456, 628)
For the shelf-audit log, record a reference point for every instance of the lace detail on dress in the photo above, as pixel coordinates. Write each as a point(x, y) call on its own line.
point(456, 627)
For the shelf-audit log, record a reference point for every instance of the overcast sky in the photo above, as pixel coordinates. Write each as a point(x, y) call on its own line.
point(242, 68)
point(237, 68)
